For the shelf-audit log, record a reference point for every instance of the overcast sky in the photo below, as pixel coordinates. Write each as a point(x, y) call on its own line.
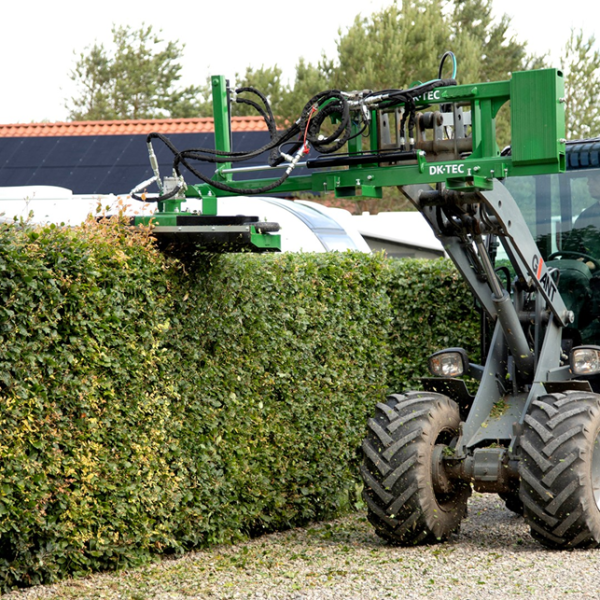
point(40, 38)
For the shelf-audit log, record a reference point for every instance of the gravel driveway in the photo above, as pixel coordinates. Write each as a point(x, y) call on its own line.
point(493, 556)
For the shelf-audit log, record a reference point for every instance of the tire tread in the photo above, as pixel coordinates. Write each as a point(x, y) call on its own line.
point(556, 449)
point(396, 470)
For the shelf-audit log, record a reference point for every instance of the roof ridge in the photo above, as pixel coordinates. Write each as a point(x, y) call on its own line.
point(128, 127)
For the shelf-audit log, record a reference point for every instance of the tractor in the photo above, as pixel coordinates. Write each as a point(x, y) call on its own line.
point(513, 222)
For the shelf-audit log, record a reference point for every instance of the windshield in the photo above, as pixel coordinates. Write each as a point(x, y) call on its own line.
point(561, 211)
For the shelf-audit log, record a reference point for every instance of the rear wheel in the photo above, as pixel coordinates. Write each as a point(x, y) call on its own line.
point(560, 470)
point(407, 433)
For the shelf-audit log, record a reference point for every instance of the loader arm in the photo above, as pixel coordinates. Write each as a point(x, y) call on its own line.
point(462, 221)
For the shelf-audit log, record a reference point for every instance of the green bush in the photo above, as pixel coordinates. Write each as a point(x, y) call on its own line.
point(150, 406)
point(85, 475)
point(278, 359)
point(432, 309)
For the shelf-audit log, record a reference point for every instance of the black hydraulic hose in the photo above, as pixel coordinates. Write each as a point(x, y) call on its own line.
point(444, 57)
point(227, 188)
point(173, 192)
point(160, 198)
point(396, 97)
point(360, 132)
point(327, 145)
point(262, 97)
point(336, 140)
point(219, 156)
point(222, 156)
point(429, 86)
point(311, 120)
point(307, 129)
point(265, 112)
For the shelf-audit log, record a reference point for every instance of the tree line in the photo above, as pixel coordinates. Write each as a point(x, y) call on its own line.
point(138, 76)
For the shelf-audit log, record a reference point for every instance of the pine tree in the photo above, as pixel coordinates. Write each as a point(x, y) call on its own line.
point(582, 86)
point(134, 79)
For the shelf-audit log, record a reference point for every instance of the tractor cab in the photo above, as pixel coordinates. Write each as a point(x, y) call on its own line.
point(562, 212)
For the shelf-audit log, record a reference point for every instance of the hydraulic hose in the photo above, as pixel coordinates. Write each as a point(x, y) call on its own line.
point(304, 133)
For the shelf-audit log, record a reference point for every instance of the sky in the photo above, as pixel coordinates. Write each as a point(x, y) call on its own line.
point(41, 39)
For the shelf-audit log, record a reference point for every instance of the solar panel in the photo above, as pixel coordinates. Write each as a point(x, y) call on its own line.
point(102, 164)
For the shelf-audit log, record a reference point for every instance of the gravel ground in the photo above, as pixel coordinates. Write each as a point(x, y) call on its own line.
point(493, 556)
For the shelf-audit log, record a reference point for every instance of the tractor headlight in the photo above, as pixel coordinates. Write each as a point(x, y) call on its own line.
point(452, 362)
point(585, 360)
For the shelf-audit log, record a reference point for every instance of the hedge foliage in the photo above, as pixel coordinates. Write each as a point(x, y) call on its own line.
point(431, 310)
point(149, 405)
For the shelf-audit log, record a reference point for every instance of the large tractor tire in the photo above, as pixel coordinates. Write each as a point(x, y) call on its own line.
point(512, 501)
point(560, 470)
point(403, 438)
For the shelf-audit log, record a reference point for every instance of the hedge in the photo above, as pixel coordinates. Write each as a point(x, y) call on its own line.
point(431, 309)
point(149, 405)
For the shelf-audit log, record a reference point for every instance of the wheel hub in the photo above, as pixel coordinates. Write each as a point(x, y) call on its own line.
point(442, 484)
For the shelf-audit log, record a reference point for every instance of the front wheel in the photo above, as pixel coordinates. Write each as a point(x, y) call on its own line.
point(560, 470)
point(407, 433)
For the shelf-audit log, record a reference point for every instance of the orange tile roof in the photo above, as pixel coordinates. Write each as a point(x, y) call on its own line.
point(139, 127)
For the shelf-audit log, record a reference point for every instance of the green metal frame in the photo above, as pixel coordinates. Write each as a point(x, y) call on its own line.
point(168, 215)
point(537, 132)
point(537, 121)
